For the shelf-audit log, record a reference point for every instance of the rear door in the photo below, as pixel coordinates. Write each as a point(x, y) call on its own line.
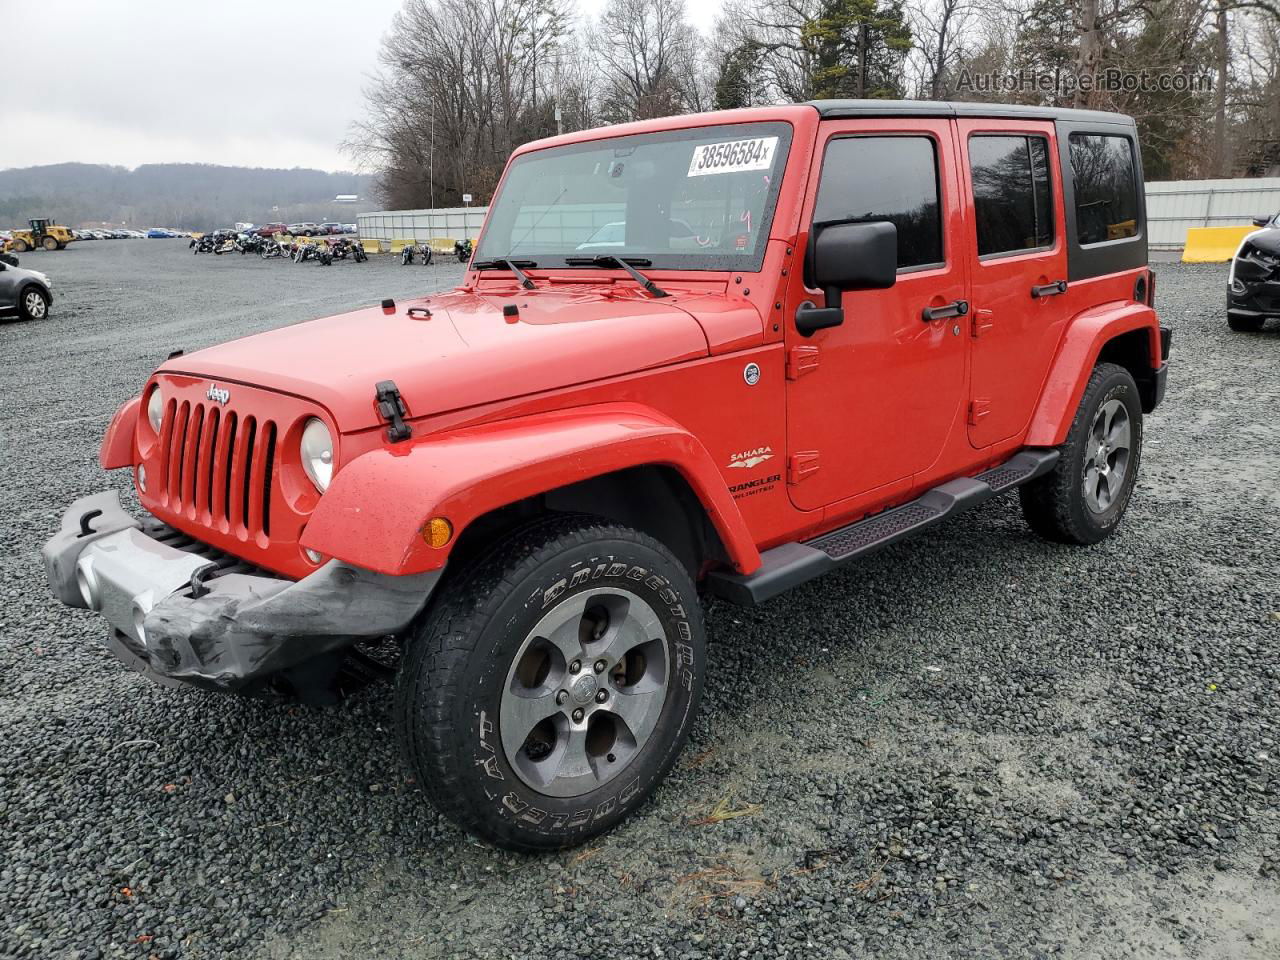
point(1018, 265)
point(872, 401)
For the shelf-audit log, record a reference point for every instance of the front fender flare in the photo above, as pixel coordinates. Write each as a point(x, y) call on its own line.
point(117, 443)
point(373, 513)
point(1088, 332)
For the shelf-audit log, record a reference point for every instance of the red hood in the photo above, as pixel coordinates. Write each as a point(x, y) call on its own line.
point(467, 352)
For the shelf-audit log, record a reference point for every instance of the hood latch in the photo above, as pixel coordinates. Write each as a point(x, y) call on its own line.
point(391, 408)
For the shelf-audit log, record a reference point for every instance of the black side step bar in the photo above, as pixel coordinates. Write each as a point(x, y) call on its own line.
point(791, 564)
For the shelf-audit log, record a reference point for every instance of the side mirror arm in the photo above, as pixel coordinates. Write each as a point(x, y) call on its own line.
point(810, 319)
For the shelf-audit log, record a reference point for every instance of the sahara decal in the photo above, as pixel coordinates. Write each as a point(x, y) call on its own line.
point(751, 458)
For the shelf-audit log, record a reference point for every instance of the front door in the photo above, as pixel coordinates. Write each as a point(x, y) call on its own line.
point(872, 402)
point(1019, 270)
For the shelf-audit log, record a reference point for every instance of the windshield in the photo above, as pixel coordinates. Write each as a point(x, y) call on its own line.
point(698, 199)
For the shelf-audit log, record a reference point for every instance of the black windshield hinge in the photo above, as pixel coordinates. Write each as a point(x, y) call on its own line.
point(391, 409)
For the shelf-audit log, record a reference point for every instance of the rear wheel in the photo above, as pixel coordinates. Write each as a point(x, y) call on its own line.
point(1086, 494)
point(1243, 323)
point(34, 305)
point(549, 691)
point(49, 243)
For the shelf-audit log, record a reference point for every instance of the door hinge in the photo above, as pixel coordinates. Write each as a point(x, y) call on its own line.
point(978, 410)
point(983, 321)
point(391, 408)
point(802, 465)
point(801, 360)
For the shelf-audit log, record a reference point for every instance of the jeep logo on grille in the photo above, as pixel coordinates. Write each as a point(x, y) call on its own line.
point(217, 394)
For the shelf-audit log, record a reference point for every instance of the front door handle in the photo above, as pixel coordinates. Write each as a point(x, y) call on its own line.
point(956, 308)
point(1049, 289)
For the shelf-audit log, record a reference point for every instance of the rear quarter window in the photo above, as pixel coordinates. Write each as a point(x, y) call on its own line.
point(1106, 189)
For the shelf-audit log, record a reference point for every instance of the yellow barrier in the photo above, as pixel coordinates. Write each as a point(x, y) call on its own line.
point(370, 246)
point(442, 244)
point(1213, 244)
point(399, 243)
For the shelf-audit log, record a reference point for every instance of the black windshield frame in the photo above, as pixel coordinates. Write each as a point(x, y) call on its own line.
point(502, 218)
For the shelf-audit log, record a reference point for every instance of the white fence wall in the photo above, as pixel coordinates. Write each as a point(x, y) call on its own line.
point(422, 225)
point(1175, 205)
point(1172, 207)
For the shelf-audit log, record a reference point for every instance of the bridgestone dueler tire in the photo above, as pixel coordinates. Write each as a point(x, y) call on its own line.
point(1054, 505)
point(457, 660)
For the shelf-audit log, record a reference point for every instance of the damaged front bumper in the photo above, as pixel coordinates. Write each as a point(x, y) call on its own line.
point(181, 612)
point(1254, 288)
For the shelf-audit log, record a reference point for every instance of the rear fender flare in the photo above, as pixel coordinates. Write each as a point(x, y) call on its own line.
point(1086, 336)
point(373, 513)
point(117, 448)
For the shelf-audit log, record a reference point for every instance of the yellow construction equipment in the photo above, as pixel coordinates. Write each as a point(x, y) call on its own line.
point(44, 234)
point(1213, 244)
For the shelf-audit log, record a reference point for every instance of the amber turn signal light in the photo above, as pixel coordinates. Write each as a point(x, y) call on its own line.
point(437, 531)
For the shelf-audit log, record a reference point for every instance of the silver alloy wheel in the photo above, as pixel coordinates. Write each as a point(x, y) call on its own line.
point(34, 304)
point(1106, 461)
point(584, 692)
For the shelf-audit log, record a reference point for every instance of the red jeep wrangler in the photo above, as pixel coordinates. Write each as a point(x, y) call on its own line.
point(810, 331)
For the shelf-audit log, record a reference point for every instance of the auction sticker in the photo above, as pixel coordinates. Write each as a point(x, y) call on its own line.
point(733, 156)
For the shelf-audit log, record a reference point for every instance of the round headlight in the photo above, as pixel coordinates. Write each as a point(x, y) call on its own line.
point(155, 409)
point(316, 451)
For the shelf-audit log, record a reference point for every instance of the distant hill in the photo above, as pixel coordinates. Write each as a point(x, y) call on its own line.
point(185, 195)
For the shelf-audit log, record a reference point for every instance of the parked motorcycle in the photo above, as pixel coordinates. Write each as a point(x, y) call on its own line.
point(344, 248)
point(462, 250)
point(422, 251)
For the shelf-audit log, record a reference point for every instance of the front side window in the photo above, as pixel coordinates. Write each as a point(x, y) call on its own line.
point(697, 199)
point(1106, 187)
point(886, 178)
point(1012, 198)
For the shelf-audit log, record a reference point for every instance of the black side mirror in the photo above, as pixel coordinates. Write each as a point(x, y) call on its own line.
point(847, 256)
point(1261, 221)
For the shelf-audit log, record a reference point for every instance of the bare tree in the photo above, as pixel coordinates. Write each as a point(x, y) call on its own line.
point(941, 28)
point(645, 48)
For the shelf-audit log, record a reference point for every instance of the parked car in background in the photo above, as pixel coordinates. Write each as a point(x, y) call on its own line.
point(26, 293)
point(349, 228)
point(303, 229)
point(330, 228)
point(1253, 283)
point(159, 233)
point(271, 229)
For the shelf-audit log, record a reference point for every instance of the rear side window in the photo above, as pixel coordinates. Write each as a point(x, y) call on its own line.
point(1105, 186)
point(886, 178)
point(1013, 202)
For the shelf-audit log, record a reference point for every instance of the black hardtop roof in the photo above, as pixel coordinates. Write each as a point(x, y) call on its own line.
point(832, 109)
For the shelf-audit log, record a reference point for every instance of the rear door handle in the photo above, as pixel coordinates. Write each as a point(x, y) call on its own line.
point(956, 308)
point(1049, 289)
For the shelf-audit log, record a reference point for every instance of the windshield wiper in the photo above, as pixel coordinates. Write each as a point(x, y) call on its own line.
point(628, 264)
point(512, 265)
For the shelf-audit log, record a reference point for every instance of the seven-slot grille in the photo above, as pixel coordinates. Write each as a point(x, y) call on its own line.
point(216, 467)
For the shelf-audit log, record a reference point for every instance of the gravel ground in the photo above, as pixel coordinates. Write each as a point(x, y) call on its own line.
point(973, 744)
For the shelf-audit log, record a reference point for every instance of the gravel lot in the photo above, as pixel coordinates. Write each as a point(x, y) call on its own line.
point(973, 744)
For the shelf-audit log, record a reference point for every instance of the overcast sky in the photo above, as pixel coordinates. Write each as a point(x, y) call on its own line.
point(155, 81)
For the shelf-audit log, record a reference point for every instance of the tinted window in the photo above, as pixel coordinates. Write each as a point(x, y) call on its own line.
point(886, 178)
point(1106, 188)
point(1013, 206)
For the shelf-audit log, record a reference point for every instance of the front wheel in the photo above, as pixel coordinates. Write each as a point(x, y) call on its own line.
point(551, 688)
point(34, 305)
point(1244, 323)
point(1086, 494)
